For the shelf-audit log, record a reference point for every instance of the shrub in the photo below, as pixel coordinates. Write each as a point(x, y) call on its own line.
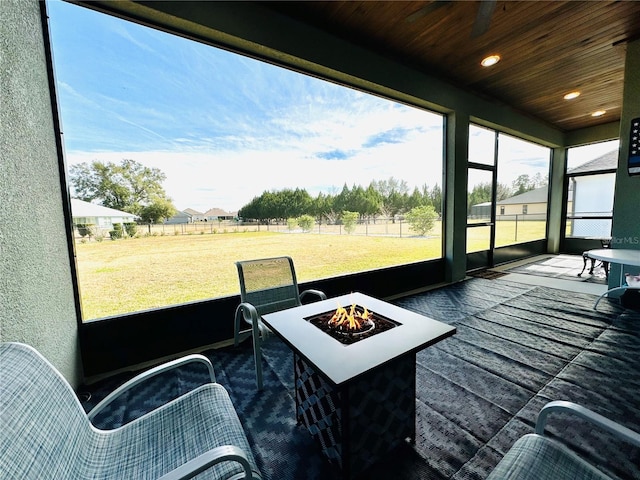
point(422, 219)
point(85, 229)
point(131, 228)
point(292, 223)
point(117, 232)
point(349, 220)
point(306, 222)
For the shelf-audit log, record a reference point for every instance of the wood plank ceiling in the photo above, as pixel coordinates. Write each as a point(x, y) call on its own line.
point(547, 48)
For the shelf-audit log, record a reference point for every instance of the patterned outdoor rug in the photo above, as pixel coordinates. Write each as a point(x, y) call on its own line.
point(516, 348)
point(488, 274)
point(565, 267)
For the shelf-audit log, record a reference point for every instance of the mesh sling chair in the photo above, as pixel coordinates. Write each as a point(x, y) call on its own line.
point(46, 434)
point(536, 456)
point(266, 285)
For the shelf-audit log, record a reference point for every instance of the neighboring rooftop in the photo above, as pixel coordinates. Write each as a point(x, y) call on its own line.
point(191, 211)
point(537, 195)
point(80, 208)
point(218, 212)
point(608, 161)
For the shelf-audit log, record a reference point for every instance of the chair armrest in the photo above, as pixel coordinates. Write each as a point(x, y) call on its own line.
point(616, 429)
point(313, 292)
point(248, 311)
point(148, 374)
point(250, 315)
point(210, 458)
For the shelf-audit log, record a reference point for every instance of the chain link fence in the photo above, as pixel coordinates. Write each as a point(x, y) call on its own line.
point(378, 227)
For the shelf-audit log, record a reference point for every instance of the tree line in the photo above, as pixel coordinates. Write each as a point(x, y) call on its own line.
point(134, 188)
point(388, 198)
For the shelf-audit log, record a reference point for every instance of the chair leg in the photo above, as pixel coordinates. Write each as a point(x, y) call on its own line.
point(606, 294)
point(255, 332)
point(236, 326)
point(257, 355)
point(584, 263)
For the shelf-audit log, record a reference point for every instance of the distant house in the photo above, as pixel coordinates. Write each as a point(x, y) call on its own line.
point(480, 210)
point(531, 205)
point(196, 216)
point(179, 218)
point(85, 213)
point(592, 196)
point(191, 216)
point(217, 214)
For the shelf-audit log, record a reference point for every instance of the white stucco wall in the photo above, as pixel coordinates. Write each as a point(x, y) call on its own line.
point(36, 295)
point(593, 195)
point(516, 209)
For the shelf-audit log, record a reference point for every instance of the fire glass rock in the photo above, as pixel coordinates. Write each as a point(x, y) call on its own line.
point(370, 323)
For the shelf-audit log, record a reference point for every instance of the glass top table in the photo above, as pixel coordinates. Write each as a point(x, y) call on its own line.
point(621, 256)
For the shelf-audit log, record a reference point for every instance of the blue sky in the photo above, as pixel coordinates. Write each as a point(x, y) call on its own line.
point(223, 127)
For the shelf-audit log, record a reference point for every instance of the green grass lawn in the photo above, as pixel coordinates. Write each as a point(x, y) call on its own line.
point(133, 274)
point(148, 272)
point(510, 232)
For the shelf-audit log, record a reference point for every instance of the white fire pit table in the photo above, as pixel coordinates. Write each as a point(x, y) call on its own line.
point(358, 399)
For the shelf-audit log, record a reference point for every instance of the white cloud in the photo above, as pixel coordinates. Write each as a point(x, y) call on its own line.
point(229, 179)
point(222, 127)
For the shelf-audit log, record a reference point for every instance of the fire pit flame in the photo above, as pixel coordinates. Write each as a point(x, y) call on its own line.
point(351, 321)
point(352, 324)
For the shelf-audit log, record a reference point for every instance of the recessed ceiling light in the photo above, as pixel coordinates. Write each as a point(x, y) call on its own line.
point(572, 95)
point(598, 113)
point(490, 60)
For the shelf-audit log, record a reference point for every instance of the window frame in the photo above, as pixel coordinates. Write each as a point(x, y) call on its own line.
point(571, 217)
point(433, 264)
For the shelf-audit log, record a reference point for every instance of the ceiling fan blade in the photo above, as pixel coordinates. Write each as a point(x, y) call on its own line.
point(483, 19)
point(426, 10)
